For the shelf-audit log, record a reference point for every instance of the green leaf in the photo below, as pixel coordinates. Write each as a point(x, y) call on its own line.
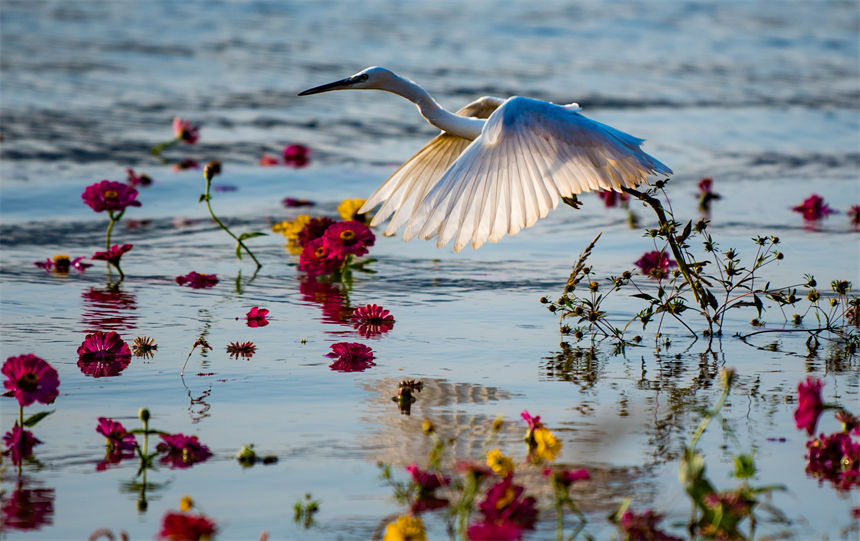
point(758, 304)
point(238, 251)
point(645, 296)
point(36, 417)
point(203, 197)
point(712, 301)
point(251, 235)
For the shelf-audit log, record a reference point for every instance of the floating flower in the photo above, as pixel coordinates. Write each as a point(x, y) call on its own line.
point(546, 446)
point(28, 508)
point(317, 258)
point(245, 350)
point(505, 503)
point(314, 229)
point(291, 202)
point(110, 195)
point(113, 255)
point(611, 198)
point(644, 526)
point(143, 346)
point(372, 320)
point(61, 264)
point(103, 354)
point(500, 463)
point(197, 280)
point(256, 317)
point(297, 156)
point(120, 444)
point(30, 379)
point(349, 238)
point(185, 130)
point(405, 528)
point(566, 477)
point(813, 208)
point(291, 229)
point(182, 451)
point(267, 160)
point(186, 527)
point(133, 179)
point(186, 164)
point(350, 357)
point(835, 458)
point(809, 404)
point(348, 210)
point(19, 444)
point(655, 264)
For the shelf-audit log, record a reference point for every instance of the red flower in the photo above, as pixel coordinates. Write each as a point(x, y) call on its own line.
point(655, 264)
point(185, 130)
point(494, 531)
point(372, 320)
point(103, 354)
point(19, 444)
point(809, 404)
point(28, 508)
point(350, 237)
point(119, 443)
point(644, 526)
point(612, 198)
point(427, 481)
point(533, 422)
point(113, 255)
point(297, 156)
point(317, 259)
point(268, 160)
point(504, 503)
point(835, 458)
point(185, 164)
point(110, 195)
point(332, 300)
point(813, 208)
point(133, 179)
point(31, 379)
point(566, 477)
point(182, 451)
point(186, 527)
point(290, 202)
point(350, 357)
point(197, 280)
point(62, 264)
point(314, 229)
point(256, 317)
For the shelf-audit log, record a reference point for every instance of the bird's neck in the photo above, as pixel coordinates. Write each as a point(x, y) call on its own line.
point(468, 128)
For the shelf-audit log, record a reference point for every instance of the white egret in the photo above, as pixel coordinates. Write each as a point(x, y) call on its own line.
point(498, 166)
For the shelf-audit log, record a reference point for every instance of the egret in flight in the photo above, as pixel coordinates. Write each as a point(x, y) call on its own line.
point(498, 166)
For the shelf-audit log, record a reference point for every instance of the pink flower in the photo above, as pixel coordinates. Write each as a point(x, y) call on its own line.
point(103, 354)
point(705, 185)
point(61, 264)
point(644, 526)
point(119, 443)
point(110, 195)
point(28, 508)
point(350, 237)
point(291, 202)
point(267, 160)
point(197, 280)
point(314, 229)
point(182, 451)
point(474, 468)
point(835, 458)
point(297, 156)
point(854, 214)
point(185, 130)
point(655, 264)
point(133, 179)
point(505, 503)
point(372, 320)
point(612, 198)
point(317, 258)
point(19, 444)
point(186, 527)
point(31, 379)
point(427, 481)
point(533, 422)
point(813, 208)
point(566, 477)
point(350, 357)
point(809, 404)
point(256, 317)
point(332, 300)
point(494, 531)
point(113, 255)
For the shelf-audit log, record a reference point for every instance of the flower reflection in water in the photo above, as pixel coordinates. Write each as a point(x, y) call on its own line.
point(332, 300)
point(108, 309)
point(103, 355)
point(27, 508)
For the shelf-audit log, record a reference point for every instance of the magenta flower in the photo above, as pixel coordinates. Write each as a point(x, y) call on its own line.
point(350, 357)
point(291, 202)
point(28, 508)
point(110, 195)
point(533, 422)
point(332, 300)
point(31, 379)
point(494, 531)
point(186, 164)
point(372, 320)
point(185, 130)
point(566, 477)
point(835, 458)
point(61, 264)
point(809, 404)
point(317, 258)
point(854, 214)
point(644, 526)
point(256, 317)
point(813, 208)
point(113, 255)
point(117, 438)
point(297, 156)
point(19, 444)
point(655, 264)
point(314, 229)
point(181, 451)
point(133, 179)
point(103, 354)
point(427, 481)
point(197, 280)
point(505, 503)
point(186, 527)
point(349, 237)
point(268, 160)
point(611, 198)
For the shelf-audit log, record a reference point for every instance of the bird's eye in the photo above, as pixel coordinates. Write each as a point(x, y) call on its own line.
point(363, 77)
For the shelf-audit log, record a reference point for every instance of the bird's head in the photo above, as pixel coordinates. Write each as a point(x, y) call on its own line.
point(369, 78)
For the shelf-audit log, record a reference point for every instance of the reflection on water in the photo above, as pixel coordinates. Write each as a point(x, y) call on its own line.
point(108, 309)
point(27, 507)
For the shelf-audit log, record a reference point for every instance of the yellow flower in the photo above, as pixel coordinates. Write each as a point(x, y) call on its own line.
point(503, 502)
point(292, 229)
point(292, 247)
point(547, 446)
point(499, 463)
point(427, 427)
point(348, 210)
point(185, 504)
point(405, 528)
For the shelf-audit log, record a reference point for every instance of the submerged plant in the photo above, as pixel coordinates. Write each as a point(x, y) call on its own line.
point(304, 511)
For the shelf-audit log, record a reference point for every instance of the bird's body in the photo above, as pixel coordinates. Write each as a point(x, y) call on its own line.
point(498, 166)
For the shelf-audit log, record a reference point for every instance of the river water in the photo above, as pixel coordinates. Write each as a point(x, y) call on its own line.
point(761, 96)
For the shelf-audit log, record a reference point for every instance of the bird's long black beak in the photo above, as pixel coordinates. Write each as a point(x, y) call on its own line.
point(337, 85)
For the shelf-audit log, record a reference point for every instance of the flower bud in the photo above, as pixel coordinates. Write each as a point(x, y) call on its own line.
point(143, 414)
point(544, 300)
point(778, 256)
point(812, 295)
point(593, 286)
point(185, 504)
point(727, 377)
point(427, 427)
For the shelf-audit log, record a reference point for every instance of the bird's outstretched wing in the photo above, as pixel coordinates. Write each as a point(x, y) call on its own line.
point(405, 189)
point(529, 154)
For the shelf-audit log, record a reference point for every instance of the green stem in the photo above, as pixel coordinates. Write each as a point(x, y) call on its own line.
point(156, 150)
point(707, 420)
point(207, 197)
point(21, 416)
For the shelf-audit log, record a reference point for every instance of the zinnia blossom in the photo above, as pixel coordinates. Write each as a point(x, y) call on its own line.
point(185, 130)
point(332, 300)
point(291, 229)
point(256, 317)
point(245, 350)
point(297, 156)
point(119, 443)
point(113, 255)
point(103, 354)
point(350, 357)
point(566, 477)
point(500, 463)
point(267, 160)
point(405, 528)
point(644, 526)
point(182, 451)
point(28, 508)
point(314, 229)
point(655, 264)
point(809, 404)
point(533, 422)
point(133, 179)
point(31, 379)
point(372, 320)
point(505, 503)
point(144, 346)
point(835, 458)
point(427, 483)
point(813, 208)
point(611, 198)
point(318, 258)
point(349, 237)
point(494, 531)
point(186, 527)
point(545, 445)
point(61, 264)
point(19, 444)
point(110, 195)
point(348, 210)
point(197, 280)
point(290, 202)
